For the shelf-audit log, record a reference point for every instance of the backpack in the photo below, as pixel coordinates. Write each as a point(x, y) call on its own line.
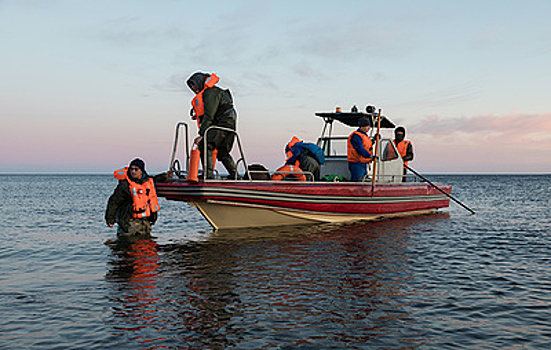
point(316, 151)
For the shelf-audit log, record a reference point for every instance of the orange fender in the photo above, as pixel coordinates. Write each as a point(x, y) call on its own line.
point(194, 160)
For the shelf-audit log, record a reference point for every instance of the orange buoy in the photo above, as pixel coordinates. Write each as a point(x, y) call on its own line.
point(194, 160)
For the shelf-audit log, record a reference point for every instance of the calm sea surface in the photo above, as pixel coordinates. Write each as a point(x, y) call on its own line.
point(443, 281)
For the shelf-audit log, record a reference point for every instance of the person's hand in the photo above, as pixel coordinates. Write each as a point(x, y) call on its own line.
point(198, 139)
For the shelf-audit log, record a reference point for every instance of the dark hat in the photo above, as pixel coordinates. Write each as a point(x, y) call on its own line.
point(364, 121)
point(138, 163)
point(400, 129)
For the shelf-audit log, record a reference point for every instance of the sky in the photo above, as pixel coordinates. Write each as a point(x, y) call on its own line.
point(88, 85)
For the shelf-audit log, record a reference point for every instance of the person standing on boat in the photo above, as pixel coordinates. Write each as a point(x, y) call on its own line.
point(133, 204)
point(405, 148)
point(359, 150)
point(213, 106)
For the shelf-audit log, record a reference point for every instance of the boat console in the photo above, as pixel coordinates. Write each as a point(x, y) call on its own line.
point(389, 165)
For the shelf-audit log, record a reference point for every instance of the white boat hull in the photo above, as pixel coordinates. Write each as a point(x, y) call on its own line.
point(232, 215)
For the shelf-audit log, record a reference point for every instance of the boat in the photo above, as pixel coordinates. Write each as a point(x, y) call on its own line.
point(254, 200)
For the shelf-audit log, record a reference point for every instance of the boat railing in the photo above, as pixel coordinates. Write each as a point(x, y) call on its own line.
point(390, 178)
point(175, 166)
point(181, 170)
point(241, 158)
point(258, 175)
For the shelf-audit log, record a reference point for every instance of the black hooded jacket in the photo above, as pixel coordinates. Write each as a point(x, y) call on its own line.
point(119, 205)
point(219, 109)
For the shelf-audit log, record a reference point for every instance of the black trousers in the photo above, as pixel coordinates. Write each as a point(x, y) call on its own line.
point(222, 141)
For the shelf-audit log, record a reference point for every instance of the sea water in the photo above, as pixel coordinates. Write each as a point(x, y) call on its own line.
point(445, 281)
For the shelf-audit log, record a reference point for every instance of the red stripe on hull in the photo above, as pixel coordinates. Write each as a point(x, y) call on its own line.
point(312, 197)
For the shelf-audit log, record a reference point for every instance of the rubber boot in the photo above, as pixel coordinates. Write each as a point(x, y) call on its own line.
point(229, 164)
point(210, 170)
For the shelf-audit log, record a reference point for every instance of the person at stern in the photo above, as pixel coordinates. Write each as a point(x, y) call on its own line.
point(405, 147)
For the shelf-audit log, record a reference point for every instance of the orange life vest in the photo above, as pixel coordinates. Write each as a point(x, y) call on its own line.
point(353, 155)
point(290, 145)
point(285, 170)
point(403, 148)
point(197, 102)
point(144, 196)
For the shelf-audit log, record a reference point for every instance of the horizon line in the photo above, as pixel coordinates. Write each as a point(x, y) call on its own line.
point(429, 173)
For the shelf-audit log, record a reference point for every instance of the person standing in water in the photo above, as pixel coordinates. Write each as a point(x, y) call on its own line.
point(133, 204)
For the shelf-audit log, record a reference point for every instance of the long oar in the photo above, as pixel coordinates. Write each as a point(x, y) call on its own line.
point(376, 154)
point(439, 189)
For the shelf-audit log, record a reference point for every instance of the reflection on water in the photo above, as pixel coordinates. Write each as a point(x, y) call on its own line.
point(135, 270)
point(321, 286)
point(170, 297)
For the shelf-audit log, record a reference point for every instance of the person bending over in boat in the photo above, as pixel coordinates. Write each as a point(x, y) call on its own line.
point(213, 106)
point(359, 150)
point(304, 157)
point(405, 148)
point(133, 204)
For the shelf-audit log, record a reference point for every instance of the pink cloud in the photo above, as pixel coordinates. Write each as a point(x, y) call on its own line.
point(513, 142)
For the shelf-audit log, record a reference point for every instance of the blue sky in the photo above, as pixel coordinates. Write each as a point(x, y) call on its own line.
point(85, 86)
